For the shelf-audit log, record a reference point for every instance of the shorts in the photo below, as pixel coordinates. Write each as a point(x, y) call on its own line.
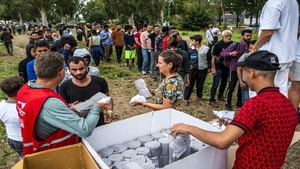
point(17, 146)
point(130, 54)
point(294, 71)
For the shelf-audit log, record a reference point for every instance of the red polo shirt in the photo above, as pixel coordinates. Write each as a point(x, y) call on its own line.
point(269, 120)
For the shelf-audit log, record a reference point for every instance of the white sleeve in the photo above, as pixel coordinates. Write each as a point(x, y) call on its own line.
point(271, 19)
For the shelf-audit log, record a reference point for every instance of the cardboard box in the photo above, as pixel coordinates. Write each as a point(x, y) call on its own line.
point(131, 128)
point(73, 156)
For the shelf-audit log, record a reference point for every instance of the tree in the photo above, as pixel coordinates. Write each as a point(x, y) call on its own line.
point(43, 7)
point(67, 8)
point(196, 17)
point(94, 11)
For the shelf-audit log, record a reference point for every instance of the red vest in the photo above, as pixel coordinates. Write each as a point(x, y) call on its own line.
point(29, 103)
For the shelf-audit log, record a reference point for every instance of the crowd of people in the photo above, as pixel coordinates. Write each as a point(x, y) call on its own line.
point(57, 71)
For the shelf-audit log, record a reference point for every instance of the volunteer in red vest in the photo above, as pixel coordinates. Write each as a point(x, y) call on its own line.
point(46, 120)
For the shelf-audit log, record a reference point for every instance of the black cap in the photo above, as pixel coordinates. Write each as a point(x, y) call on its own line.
point(261, 60)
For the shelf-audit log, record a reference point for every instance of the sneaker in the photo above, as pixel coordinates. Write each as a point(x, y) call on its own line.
point(144, 72)
point(222, 99)
point(239, 104)
point(200, 98)
point(213, 104)
point(228, 107)
point(149, 72)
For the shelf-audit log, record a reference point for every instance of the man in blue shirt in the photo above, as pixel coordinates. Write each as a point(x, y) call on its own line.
point(41, 47)
point(106, 42)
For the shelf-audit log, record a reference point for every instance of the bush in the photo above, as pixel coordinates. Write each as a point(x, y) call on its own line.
point(196, 18)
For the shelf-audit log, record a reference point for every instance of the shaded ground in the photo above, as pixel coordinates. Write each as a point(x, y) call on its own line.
point(120, 80)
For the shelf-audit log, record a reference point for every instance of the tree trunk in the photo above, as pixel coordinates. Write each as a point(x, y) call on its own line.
point(43, 12)
point(131, 19)
point(20, 18)
point(63, 18)
point(256, 22)
point(237, 20)
point(220, 19)
point(251, 17)
point(160, 21)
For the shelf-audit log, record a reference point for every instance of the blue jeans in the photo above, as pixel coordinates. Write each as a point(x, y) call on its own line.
point(222, 75)
point(97, 53)
point(245, 94)
point(154, 69)
point(146, 60)
point(17, 146)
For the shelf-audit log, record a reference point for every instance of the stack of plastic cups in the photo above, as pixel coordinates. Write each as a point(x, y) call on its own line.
point(114, 158)
point(128, 154)
point(132, 165)
point(157, 135)
point(133, 144)
point(106, 161)
point(140, 159)
point(148, 166)
point(145, 151)
point(120, 165)
point(105, 152)
point(118, 148)
point(145, 139)
point(155, 149)
point(164, 158)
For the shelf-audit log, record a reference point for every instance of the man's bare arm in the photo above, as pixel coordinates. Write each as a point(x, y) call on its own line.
point(263, 38)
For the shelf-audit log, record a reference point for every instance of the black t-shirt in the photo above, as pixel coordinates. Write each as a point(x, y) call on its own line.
point(218, 47)
point(152, 36)
point(71, 93)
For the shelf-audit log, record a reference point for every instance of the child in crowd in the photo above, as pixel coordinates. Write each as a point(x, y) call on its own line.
point(9, 115)
point(129, 46)
point(242, 83)
point(199, 63)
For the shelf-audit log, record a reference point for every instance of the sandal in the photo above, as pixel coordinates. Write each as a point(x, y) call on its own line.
point(108, 118)
point(186, 102)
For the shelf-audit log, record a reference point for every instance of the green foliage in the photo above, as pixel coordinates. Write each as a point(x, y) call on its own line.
point(92, 12)
point(196, 18)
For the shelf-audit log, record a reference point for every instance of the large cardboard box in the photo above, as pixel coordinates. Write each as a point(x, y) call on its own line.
point(131, 128)
point(73, 156)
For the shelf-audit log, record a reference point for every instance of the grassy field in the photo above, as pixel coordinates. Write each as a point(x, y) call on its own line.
point(120, 80)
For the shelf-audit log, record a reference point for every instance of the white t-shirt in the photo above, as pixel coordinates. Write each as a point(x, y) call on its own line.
point(281, 16)
point(210, 33)
point(9, 116)
point(298, 51)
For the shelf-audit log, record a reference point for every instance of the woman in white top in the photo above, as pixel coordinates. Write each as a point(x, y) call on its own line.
point(95, 48)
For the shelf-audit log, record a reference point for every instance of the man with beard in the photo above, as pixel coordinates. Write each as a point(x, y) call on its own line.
point(46, 120)
point(83, 86)
point(47, 33)
point(218, 70)
point(34, 37)
point(234, 52)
